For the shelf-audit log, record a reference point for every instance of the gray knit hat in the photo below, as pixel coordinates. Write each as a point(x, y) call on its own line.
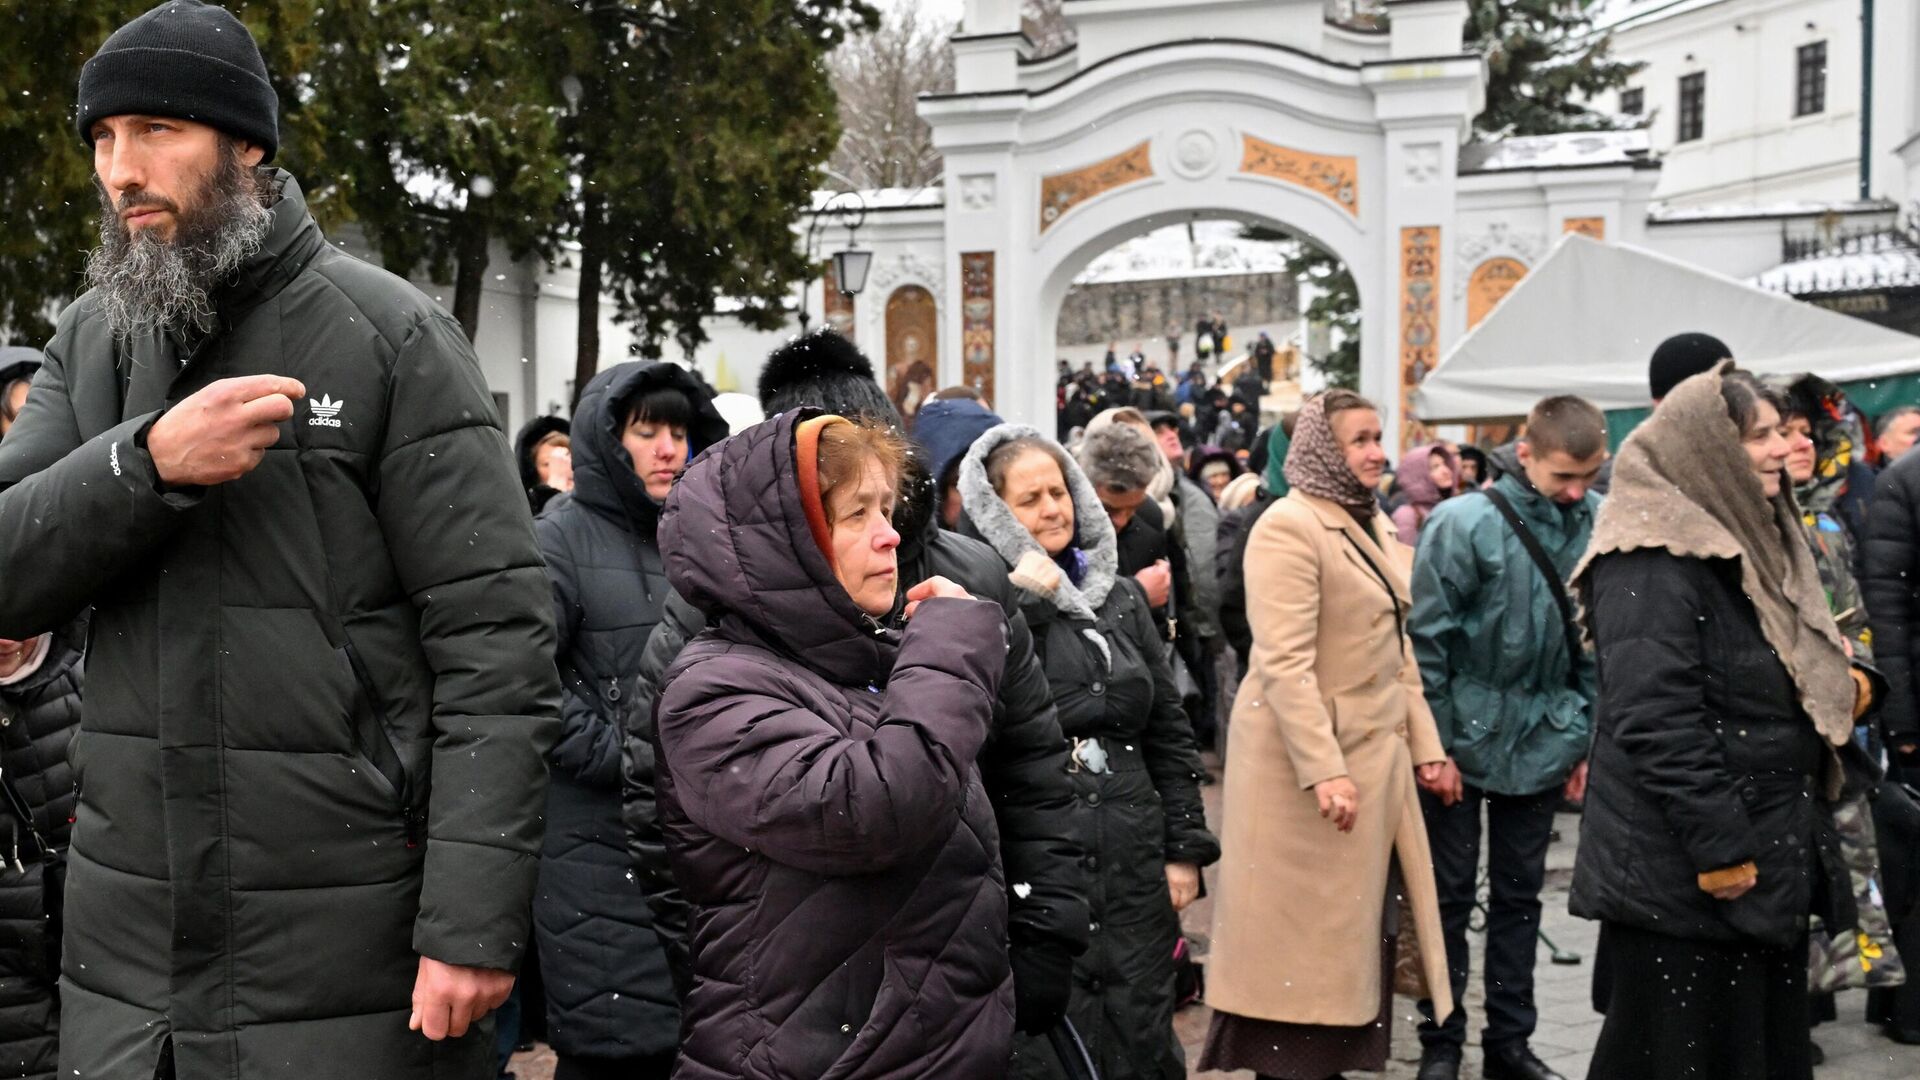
point(1120, 457)
point(188, 60)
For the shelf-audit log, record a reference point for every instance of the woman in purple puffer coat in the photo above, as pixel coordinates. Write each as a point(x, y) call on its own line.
point(818, 793)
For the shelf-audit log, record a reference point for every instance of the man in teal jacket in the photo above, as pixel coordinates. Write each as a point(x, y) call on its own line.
point(1512, 697)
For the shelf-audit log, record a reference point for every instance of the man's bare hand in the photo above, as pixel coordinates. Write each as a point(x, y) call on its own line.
point(1442, 780)
point(448, 999)
point(1576, 789)
point(1183, 884)
point(1158, 581)
point(222, 431)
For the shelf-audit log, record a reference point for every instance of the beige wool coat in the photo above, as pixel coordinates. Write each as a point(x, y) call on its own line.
point(1332, 690)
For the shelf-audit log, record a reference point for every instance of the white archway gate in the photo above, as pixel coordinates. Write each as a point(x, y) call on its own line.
point(1170, 110)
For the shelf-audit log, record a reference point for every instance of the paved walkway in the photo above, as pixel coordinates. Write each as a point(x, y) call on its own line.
point(1568, 1024)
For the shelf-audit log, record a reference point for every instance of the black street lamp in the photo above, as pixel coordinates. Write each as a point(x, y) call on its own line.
point(850, 266)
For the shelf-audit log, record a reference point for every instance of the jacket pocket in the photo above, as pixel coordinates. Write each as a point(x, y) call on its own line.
point(372, 740)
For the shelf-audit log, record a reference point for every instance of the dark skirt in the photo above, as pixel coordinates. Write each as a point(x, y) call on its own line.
point(1683, 1010)
point(1275, 1048)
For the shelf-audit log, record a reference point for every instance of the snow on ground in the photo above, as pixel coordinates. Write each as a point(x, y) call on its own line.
point(1211, 249)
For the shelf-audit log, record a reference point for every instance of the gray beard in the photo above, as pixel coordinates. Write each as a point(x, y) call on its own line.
point(142, 283)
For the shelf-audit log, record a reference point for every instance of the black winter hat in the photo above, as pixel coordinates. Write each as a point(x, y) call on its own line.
point(825, 370)
point(1680, 358)
point(188, 60)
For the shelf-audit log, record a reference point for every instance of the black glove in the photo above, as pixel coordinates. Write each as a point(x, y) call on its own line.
point(1042, 984)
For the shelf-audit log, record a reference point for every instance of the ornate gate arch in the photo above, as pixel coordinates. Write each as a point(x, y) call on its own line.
point(1170, 110)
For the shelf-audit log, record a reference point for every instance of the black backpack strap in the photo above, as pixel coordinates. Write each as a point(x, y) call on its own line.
point(1554, 584)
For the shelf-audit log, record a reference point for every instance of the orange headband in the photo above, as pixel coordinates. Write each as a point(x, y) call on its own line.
point(806, 450)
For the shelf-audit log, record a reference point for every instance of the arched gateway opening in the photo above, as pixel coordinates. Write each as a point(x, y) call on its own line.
point(1213, 304)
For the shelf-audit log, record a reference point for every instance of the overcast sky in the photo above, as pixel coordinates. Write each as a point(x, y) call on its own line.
point(949, 9)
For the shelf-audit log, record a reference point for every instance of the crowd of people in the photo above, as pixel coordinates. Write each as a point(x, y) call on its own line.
point(1222, 405)
point(826, 744)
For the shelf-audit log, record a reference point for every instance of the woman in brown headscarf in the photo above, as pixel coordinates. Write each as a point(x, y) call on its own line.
point(1322, 825)
point(1725, 694)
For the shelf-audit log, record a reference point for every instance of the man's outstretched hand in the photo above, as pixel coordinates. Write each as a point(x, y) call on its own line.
point(447, 999)
point(221, 432)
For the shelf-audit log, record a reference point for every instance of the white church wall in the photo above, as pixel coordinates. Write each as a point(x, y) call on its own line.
point(1753, 149)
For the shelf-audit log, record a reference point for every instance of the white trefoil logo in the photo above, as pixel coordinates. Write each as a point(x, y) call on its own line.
point(326, 412)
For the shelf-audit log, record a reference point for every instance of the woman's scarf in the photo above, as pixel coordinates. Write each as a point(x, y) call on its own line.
point(1316, 465)
point(1683, 482)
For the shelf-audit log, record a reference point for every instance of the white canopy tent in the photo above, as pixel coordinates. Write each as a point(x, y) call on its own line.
point(1586, 321)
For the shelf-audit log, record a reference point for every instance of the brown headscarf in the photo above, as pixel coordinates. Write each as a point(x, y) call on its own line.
point(1317, 465)
point(1683, 482)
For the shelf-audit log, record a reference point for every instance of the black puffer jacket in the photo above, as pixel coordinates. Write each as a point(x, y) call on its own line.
point(1230, 565)
point(319, 697)
point(1024, 764)
point(609, 994)
point(1702, 759)
point(38, 717)
point(1141, 814)
point(1147, 540)
point(821, 805)
point(1890, 581)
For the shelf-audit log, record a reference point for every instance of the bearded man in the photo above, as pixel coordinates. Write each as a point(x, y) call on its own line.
point(320, 683)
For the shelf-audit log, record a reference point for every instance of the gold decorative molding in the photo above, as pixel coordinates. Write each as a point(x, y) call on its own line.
point(1594, 228)
point(1337, 178)
point(1062, 192)
point(1419, 320)
point(1490, 283)
point(977, 321)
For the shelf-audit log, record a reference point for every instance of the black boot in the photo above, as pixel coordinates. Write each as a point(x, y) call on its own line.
point(1516, 1061)
point(1439, 1063)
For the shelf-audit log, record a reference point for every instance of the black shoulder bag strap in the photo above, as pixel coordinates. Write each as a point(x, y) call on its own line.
point(1399, 616)
point(1554, 584)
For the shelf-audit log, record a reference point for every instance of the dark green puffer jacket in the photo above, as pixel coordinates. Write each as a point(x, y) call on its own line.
point(319, 697)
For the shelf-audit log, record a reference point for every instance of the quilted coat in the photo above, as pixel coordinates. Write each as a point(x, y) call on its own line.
point(319, 697)
point(820, 801)
point(1111, 681)
point(1703, 758)
point(1890, 581)
point(1024, 763)
point(609, 994)
point(38, 716)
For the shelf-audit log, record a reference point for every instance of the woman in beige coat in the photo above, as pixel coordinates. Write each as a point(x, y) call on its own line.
point(1322, 826)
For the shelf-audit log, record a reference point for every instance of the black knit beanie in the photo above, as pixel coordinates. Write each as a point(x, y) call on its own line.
point(187, 60)
point(1680, 358)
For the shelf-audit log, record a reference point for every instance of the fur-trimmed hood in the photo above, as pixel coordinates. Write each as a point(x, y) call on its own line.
point(993, 520)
